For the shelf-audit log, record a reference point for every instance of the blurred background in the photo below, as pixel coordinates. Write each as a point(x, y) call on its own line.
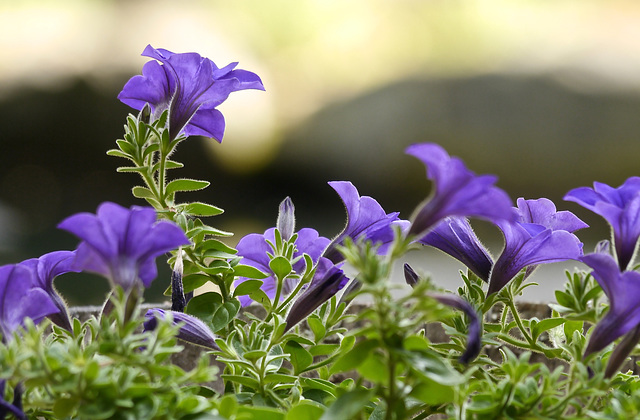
point(544, 94)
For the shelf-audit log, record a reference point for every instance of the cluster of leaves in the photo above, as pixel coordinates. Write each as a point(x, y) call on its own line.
point(106, 369)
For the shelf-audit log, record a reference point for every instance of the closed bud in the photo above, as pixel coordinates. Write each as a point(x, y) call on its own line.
point(286, 222)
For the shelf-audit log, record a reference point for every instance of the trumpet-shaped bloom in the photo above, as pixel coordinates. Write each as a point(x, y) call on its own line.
point(190, 87)
point(192, 329)
point(20, 298)
point(620, 207)
point(254, 250)
point(122, 244)
point(540, 236)
point(327, 281)
point(622, 289)
point(454, 236)
point(365, 219)
point(46, 269)
point(457, 191)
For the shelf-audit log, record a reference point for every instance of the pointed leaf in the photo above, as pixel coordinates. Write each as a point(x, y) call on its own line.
point(186, 185)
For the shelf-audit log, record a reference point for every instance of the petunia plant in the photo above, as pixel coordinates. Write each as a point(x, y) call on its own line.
point(291, 324)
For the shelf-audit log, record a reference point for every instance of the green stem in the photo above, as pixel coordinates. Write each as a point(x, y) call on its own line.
point(516, 317)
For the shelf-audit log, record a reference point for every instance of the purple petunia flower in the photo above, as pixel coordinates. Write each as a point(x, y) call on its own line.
point(192, 329)
point(365, 218)
point(190, 87)
point(620, 207)
point(20, 298)
point(623, 317)
point(46, 269)
point(540, 236)
point(14, 408)
point(122, 244)
point(327, 281)
point(455, 237)
point(457, 191)
point(254, 250)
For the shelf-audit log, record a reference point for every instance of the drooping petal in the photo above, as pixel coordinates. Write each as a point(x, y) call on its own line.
point(457, 191)
point(474, 340)
point(365, 218)
point(454, 236)
point(623, 290)
point(620, 207)
point(192, 329)
point(327, 281)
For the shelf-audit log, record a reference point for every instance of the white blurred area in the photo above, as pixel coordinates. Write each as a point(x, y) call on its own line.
point(311, 52)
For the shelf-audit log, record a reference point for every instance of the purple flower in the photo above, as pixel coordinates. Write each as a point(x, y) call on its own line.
point(190, 87)
point(46, 269)
point(454, 236)
point(192, 329)
point(254, 250)
point(122, 244)
point(540, 236)
point(365, 218)
point(457, 191)
point(620, 207)
point(327, 281)
point(623, 317)
point(20, 298)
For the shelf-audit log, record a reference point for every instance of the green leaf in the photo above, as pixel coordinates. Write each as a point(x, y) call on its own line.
point(305, 410)
point(228, 406)
point(348, 405)
point(242, 380)
point(259, 413)
point(192, 282)
point(545, 325)
point(247, 287)
point(248, 272)
point(118, 153)
point(280, 266)
point(374, 369)
point(318, 329)
point(300, 358)
point(354, 357)
point(65, 407)
point(224, 314)
point(142, 192)
point(201, 209)
point(570, 327)
point(431, 366)
point(186, 185)
point(432, 393)
point(204, 306)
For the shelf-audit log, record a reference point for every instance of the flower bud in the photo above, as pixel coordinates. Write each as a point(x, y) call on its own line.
point(286, 222)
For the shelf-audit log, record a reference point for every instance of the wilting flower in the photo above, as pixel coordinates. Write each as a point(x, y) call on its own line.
point(365, 219)
point(540, 236)
point(122, 244)
point(454, 236)
point(620, 207)
point(623, 317)
point(20, 298)
point(190, 87)
point(474, 337)
point(327, 281)
point(192, 329)
point(254, 250)
point(457, 191)
point(46, 269)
